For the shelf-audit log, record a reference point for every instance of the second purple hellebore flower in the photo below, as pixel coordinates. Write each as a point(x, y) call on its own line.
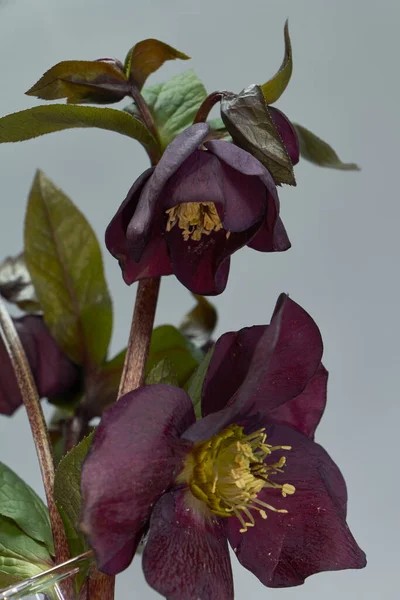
point(202, 202)
point(248, 472)
point(52, 371)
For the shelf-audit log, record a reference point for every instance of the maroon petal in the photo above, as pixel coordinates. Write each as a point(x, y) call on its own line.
point(155, 261)
point(134, 457)
point(284, 549)
point(175, 154)
point(272, 236)
point(52, 371)
point(198, 179)
point(242, 161)
point(286, 358)
point(203, 266)
point(287, 133)
point(228, 367)
point(186, 555)
point(305, 411)
point(195, 263)
point(116, 231)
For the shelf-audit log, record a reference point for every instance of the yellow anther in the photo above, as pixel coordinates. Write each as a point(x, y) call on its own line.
point(194, 219)
point(228, 471)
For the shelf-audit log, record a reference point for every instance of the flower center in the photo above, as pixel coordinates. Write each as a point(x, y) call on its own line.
point(228, 471)
point(194, 218)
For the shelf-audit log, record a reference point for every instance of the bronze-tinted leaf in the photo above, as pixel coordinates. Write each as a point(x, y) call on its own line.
point(199, 324)
point(148, 56)
point(275, 87)
point(31, 123)
point(64, 259)
point(250, 124)
point(317, 151)
point(16, 284)
point(82, 81)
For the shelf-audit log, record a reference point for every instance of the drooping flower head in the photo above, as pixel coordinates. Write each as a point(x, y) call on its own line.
point(248, 472)
point(203, 201)
point(52, 371)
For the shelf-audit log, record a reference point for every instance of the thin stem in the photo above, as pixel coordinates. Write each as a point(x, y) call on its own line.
point(140, 335)
point(206, 106)
point(38, 426)
point(146, 116)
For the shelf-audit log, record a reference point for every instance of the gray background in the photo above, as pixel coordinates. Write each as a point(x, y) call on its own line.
point(343, 267)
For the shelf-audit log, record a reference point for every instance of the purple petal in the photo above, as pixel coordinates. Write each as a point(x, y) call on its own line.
point(155, 261)
point(287, 132)
point(52, 371)
point(305, 411)
point(272, 236)
point(228, 367)
point(196, 264)
point(284, 549)
point(242, 161)
point(175, 154)
point(286, 358)
point(186, 555)
point(205, 178)
point(116, 231)
point(203, 266)
point(134, 457)
point(198, 179)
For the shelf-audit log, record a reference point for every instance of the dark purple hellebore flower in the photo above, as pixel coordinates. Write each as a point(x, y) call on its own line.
point(53, 372)
point(249, 472)
point(202, 202)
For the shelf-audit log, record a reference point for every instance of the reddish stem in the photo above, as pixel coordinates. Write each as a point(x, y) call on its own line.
point(206, 106)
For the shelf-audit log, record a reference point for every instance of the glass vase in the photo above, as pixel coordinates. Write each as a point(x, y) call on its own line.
point(58, 583)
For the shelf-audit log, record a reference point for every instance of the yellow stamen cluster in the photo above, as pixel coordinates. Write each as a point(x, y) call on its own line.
point(228, 471)
point(195, 219)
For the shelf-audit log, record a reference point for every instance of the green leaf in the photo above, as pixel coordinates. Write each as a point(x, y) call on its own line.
point(317, 151)
point(251, 126)
point(67, 492)
point(194, 386)
point(33, 122)
point(64, 260)
point(199, 324)
point(16, 284)
point(168, 342)
point(82, 81)
point(174, 104)
point(20, 503)
point(21, 557)
point(275, 87)
point(148, 56)
point(163, 372)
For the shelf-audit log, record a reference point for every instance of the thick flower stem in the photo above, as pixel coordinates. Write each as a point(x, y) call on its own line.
point(140, 335)
point(38, 426)
point(206, 106)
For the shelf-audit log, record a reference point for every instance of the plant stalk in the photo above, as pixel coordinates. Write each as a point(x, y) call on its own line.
point(140, 335)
